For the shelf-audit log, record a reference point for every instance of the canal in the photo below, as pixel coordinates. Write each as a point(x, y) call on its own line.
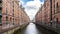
point(33, 29)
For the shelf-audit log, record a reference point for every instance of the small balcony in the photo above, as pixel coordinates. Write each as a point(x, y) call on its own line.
point(0, 1)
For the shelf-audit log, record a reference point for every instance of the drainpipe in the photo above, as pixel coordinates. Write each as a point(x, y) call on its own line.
point(13, 13)
point(51, 12)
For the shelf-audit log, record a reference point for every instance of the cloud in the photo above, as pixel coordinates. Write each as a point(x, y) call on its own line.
point(32, 7)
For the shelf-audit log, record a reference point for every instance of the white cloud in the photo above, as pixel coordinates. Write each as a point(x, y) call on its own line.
point(32, 7)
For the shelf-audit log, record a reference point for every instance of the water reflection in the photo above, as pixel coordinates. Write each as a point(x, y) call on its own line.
point(31, 29)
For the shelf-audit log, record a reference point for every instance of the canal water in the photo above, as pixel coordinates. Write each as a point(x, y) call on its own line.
point(33, 29)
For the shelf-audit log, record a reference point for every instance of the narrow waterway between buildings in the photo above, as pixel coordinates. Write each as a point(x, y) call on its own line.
point(33, 29)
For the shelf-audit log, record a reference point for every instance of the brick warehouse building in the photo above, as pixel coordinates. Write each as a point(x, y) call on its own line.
point(40, 16)
point(49, 14)
point(56, 11)
point(11, 14)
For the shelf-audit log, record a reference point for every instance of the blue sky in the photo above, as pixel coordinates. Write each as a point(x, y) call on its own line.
point(25, 1)
point(31, 6)
point(42, 0)
point(31, 0)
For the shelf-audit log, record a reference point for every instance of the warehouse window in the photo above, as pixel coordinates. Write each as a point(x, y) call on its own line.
point(57, 20)
point(57, 8)
point(6, 20)
point(0, 1)
point(13, 21)
point(13, 13)
point(54, 6)
point(57, 5)
point(0, 19)
point(0, 6)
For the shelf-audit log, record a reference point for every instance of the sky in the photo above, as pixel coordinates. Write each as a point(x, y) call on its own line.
point(31, 6)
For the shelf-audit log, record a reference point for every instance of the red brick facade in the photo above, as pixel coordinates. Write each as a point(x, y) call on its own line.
point(11, 14)
point(49, 13)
